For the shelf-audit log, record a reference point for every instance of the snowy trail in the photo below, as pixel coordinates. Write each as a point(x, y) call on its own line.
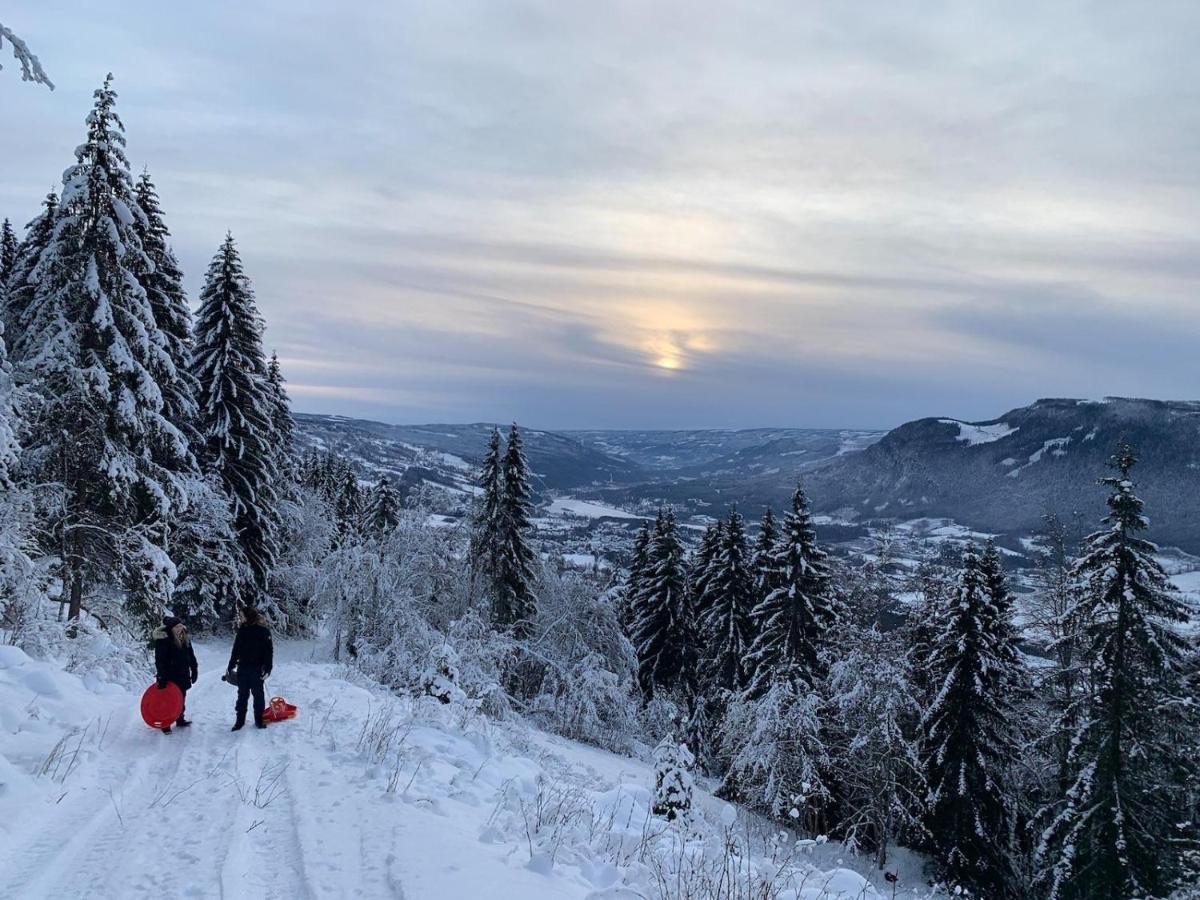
point(365, 795)
point(161, 815)
point(290, 812)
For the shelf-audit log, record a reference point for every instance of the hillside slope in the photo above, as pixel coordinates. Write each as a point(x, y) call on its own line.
point(365, 795)
point(450, 454)
point(1004, 474)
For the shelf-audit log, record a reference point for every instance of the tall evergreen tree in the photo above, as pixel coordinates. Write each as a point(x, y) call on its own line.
point(793, 621)
point(967, 744)
point(382, 511)
point(235, 406)
point(1125, 823)
point(702, 568)
point(1008, 655)
point(93, 351)
point(8, 254)
point(761, 571)
point(664, 630)
point(281, 407)
point(760, 556)
point(9, 446)
point(514, 603)
point(349, 505)
point(726, 625)
point(163, 283)
point(21, 287)
point(635, 580)
point(487, 525)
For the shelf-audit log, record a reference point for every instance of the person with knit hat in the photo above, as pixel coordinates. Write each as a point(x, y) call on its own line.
point(175, 662)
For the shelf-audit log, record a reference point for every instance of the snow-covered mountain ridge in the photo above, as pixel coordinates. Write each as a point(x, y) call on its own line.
point(1003, 475)
point(1000, 475)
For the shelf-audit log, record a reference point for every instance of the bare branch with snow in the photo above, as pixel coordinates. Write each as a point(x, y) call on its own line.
point(31, 69)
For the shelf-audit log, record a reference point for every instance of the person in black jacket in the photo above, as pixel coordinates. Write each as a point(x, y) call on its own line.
point(174, 661)
point(252, 657)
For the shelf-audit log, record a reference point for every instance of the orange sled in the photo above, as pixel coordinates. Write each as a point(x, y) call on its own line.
point(278, 710)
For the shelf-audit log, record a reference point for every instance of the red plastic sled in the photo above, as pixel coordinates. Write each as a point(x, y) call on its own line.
point(278, 710)
point(161, 708)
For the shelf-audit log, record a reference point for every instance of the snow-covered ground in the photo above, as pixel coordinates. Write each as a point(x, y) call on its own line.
point(972, 434)
point(588, 509)
point(364, 795)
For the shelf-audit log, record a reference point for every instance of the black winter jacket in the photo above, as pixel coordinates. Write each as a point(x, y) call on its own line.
point(252, 649)
point(172, 662)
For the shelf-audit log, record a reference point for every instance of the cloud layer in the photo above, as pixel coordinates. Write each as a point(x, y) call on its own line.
point(664, 214)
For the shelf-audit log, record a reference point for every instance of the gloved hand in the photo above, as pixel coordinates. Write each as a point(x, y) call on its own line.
point(195, 675)
point(266, 674)
point(160, 682)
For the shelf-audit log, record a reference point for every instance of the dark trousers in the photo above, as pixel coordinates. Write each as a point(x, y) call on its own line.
point(183, 709)
point(250, 683)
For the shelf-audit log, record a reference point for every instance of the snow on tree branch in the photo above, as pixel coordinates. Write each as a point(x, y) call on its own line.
point(31, 69)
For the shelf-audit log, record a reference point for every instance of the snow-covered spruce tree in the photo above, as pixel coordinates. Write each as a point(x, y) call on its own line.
point(760, 568)
point(701, 570)
point(382, 510)
point(212, 570)
point(235, 407)
point(514, 603)
point(760, 555)
point(281, 407)
point(726, 626)
point(22, 576)
point(664, 628)
point(8, 254)
point(21, 288)
point(1125, 823)
point(934, 584)
point(93, 349)
point(348, 506)
point(201, 538)
point(635, 578)
point(673, 781)
point(487, 524)
point(991, 567)
point(792, 623)
point(874, 753)
point(968, 748)
point(163, 284)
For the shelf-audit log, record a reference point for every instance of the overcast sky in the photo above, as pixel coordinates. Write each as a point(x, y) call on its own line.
point(658, 214)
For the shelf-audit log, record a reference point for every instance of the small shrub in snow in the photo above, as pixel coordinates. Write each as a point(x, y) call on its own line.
point(440, 680)
point(673, 781)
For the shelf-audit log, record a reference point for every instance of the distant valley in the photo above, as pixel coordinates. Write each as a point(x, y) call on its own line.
point(997, 476)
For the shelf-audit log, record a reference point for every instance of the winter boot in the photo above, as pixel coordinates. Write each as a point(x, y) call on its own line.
point(240, 723)
point(258, 720)
point(181, 722)
point(166, 729)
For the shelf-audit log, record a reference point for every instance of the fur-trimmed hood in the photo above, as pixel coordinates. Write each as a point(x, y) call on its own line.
point(164, 631)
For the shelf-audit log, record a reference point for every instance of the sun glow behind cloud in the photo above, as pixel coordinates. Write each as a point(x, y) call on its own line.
point(587, 215)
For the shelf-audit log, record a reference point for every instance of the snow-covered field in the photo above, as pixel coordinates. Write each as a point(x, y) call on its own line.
point(364, 795)
point(587, 509)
